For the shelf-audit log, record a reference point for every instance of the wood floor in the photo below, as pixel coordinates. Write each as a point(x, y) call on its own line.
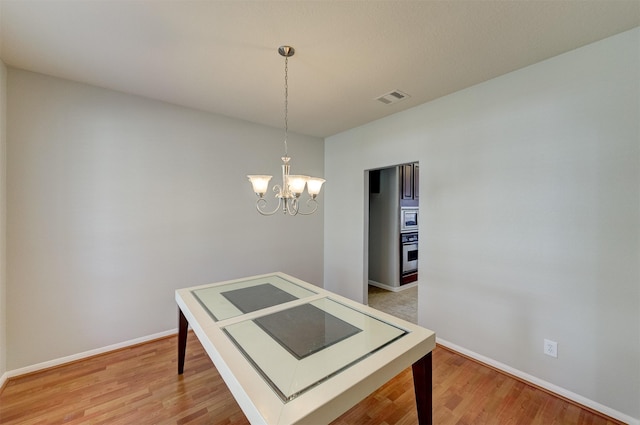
point(140, 385)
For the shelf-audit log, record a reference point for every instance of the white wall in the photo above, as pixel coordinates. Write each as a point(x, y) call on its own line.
point(115, 201)
point(530, 217)
point(3, 221)
point(384, 230)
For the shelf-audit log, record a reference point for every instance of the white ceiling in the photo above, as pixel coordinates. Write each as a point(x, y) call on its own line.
point(221, 56)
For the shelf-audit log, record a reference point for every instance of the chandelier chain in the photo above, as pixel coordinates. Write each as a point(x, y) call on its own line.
point(286, 103)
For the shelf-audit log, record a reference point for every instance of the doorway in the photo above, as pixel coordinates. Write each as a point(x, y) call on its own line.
point(391, 235)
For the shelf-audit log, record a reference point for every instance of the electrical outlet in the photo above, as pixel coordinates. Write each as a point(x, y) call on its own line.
point(551, 348)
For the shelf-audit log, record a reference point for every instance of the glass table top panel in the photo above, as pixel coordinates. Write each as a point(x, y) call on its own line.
point(234, 299)
point(297, 348)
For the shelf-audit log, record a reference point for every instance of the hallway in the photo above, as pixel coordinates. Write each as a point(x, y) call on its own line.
point(402, 304)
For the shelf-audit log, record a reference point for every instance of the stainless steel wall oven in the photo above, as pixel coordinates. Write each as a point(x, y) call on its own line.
point(409, 257)
point(409, 219)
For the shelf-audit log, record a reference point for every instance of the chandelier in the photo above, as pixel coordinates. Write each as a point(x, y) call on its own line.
point(288, 194)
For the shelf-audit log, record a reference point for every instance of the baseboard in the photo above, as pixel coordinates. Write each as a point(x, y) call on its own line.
point(392, 288)
point(547, 386)
point(3, 381)
point(80, 356)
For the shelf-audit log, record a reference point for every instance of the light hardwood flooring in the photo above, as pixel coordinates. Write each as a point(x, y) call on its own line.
point(140, 385)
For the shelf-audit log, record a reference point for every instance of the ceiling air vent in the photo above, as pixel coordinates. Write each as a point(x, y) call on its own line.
point(392, 97)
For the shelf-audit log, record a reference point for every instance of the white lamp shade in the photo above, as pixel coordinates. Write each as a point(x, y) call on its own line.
point(297, 183)
point(314, 185)
point(260, 183)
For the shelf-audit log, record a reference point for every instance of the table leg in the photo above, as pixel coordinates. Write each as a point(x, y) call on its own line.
point(422, 382)
point(183, 325)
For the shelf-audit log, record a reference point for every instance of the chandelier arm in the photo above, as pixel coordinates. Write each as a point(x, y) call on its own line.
point(314, 208)
point(261, 203)
point(291, 206)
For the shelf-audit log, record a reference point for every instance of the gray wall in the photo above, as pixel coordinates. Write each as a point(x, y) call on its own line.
point(384, 230)
point(3, 220)
point(115, 201)
point(530, 217)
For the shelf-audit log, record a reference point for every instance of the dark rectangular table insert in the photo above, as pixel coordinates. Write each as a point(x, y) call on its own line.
point(305, 329)
point(257, 297)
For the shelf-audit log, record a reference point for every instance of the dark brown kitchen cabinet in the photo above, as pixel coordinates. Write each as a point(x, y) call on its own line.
point(409, 184)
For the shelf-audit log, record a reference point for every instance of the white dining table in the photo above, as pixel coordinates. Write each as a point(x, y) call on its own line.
point(293, 353)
